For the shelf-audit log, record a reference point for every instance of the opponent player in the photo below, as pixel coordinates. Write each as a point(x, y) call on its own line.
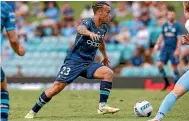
point(171, 36)
point(80, 61)
point(182, 86)
point(8, 22)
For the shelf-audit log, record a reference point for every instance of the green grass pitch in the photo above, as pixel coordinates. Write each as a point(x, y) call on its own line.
point(82, 106)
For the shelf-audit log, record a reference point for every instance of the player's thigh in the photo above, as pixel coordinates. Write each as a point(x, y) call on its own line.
point(183, 83)
point(3, 80)
point(163, 58)
point(102, 72)
point(69, 72)
point(91, 69)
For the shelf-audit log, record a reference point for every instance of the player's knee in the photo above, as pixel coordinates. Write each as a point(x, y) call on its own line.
point(4, 85)
point(174, 67)
point(108, 75)
point(160, 65)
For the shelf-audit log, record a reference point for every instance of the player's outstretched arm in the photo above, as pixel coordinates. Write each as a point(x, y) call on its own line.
point(102, 49)
point(15, 43)
point(84, 31)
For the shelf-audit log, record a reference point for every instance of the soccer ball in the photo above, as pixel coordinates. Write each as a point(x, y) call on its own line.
point(143, 109)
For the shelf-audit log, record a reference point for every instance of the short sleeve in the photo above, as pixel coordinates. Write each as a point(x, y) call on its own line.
point(179, 30)
point(10, 20)
point(86, 23)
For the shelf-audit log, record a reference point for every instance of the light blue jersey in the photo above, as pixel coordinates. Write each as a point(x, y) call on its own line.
point(7, 22)
point(7, 17)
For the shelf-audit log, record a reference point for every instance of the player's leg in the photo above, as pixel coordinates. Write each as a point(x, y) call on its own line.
point(160, 64)
point(4, 98)
point(162, 71)
point(66, 75)
point(45, 97)
point(179, 90)
point(176, 73)
point(104, 73)
point(175, 62)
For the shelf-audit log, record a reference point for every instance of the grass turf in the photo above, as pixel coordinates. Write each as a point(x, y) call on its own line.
point(82, 106)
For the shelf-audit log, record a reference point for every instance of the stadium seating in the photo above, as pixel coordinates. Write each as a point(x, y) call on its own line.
point(44, 57)
point(143, 72)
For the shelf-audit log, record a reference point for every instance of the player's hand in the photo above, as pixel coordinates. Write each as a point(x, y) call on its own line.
point(94, 36)
point(176, 53)
point(185, 39)
point(105, 61)
point(155, 49)
point(21, 51)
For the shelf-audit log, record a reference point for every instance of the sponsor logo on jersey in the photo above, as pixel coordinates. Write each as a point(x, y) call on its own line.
point(169, 34)
point(12, 17)
point(93, 43)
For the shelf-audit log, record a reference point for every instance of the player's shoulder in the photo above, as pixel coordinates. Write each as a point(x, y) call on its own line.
point(177, 24)
point(5, 7)
point(89, 20)
point(165, 24)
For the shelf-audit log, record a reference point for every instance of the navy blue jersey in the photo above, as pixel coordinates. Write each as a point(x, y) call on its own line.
point(7, 17)
point(170, 34)
point(84, 48)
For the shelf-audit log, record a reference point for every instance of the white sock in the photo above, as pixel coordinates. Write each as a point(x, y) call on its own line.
point(102, 104)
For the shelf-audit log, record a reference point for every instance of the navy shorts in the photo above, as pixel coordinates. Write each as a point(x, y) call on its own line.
point(2, 75)
point(72, 69)
point(165, 56)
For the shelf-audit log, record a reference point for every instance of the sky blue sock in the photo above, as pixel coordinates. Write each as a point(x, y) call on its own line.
point(166, 105)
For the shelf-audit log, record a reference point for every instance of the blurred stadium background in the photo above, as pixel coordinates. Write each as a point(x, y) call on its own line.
point(48, 29)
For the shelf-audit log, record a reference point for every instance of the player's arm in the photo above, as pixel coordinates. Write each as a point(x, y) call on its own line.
point(179, 42)
point(10, 28)
point(15, 43)
point(102, 49)
point(85, 32)
point(84, 28)
point(158, 43)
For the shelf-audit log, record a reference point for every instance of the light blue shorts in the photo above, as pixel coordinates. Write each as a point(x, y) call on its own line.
point(184, 81)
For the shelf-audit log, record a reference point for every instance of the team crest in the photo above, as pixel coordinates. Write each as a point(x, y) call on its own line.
point(165, 29)
point(173, 30)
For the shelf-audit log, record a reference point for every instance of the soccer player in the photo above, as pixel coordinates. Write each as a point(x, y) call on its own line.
point(171, 36)
point(182, 86)
point(80, 61)
point(8, 22)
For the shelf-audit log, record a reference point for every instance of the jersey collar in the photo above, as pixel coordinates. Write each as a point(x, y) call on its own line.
point(171, 24)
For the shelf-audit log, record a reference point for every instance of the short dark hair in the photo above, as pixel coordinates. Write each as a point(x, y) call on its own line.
point(98, 5)
point(171, 8)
